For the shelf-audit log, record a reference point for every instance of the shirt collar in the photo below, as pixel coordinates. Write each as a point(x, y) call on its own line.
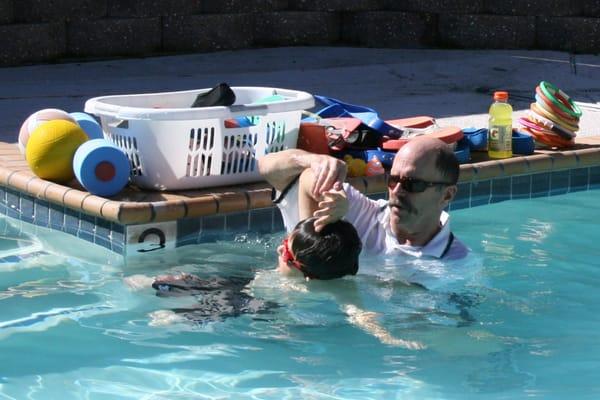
point(434, 248)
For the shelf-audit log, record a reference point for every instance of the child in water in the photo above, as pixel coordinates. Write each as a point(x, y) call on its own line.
point(329, 254)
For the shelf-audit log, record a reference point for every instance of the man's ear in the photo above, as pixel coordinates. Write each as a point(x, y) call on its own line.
point(449, 193)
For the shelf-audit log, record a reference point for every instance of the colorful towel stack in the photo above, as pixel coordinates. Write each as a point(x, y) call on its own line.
point(553, 119)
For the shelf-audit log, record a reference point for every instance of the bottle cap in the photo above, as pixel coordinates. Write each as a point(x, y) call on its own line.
point(502, 96)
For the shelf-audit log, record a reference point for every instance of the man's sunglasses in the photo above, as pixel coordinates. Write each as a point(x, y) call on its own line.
point(411, 185)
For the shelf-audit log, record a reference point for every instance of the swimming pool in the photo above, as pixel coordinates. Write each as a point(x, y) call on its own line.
point(522, 324)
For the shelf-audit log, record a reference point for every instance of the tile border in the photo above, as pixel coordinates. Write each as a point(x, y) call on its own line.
point(140, 222)
point(125, 239)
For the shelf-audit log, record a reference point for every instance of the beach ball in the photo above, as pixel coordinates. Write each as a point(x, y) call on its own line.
point(37, 118)
point(51, 148)
point(89, 124)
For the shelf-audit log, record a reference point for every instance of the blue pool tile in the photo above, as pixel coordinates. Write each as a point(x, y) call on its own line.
point(41, 212)
point(102, 241)
point(116, 227)
point(501, 190)
point(579, 179)
point(118, 248)
point(459, 205)
point(12, 204)
point(278, 221)
point(559, 182)
point(521, 187)
point(463, 191)
point(462, 198)
point(2, 194)
point(187, 241)
point(540, 184)
point(213, 223)
point(237, 222)
point(188, 231)
point(57, 217)
point(213, 228)
point(117, 234)
point(71, 221)
point(26, 208)
point(210, 236)
point(12, 198)
point(87, 223)
point(594, 177)
point(12, 212)
point(85, 235)
point(480, 193)
point(102, 228)
point(261, 220)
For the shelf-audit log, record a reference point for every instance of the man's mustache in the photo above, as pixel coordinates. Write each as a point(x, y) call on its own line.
point(403, 203)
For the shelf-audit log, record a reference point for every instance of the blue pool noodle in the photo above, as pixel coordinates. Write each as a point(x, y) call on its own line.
point(89, 124)
point(89, 155)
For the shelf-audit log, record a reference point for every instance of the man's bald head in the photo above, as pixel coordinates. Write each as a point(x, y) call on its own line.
point(423, 150)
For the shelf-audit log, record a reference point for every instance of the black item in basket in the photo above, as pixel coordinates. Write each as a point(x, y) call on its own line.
point(220, 95)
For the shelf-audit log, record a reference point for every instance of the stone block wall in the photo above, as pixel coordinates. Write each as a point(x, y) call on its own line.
point(34, 31)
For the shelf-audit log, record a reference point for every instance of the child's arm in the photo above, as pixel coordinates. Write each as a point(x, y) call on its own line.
point(367, 321)
point(350, 303)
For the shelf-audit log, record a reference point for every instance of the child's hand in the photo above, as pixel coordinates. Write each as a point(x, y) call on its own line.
point(332, 207)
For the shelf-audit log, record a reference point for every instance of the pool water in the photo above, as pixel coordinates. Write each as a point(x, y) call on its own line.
point(517, 319)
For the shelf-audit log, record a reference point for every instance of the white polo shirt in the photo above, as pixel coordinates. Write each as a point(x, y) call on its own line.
point(371, 218)
point(287, 202)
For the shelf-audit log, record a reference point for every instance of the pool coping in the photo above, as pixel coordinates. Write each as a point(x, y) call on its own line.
point(128, 218)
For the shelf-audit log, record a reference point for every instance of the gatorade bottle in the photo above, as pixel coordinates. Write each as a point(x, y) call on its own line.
point(500, 127)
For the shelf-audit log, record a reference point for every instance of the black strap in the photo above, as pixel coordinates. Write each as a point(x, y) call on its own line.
point(448, 245)
point(277, 199)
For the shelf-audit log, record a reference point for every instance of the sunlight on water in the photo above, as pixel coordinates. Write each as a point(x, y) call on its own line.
point(515, 319)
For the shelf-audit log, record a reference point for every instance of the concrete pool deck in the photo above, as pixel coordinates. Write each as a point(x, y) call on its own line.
point(453, 86)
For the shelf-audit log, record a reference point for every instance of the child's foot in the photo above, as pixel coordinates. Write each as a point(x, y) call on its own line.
point(164, 318)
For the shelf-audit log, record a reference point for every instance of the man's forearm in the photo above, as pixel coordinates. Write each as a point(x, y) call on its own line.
point(281, 167)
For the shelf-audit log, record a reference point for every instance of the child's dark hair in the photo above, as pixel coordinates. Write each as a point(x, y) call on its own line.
point(329, 254)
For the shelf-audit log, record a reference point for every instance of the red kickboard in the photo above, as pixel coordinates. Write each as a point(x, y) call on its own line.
point(449, 134)
point(421, 121)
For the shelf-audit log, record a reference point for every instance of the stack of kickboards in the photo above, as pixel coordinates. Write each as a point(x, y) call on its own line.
point(553, 119)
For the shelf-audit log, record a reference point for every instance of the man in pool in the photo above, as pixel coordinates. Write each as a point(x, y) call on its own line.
point(412, 223)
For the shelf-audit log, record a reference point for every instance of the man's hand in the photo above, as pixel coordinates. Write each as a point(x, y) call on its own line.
point(327, 171)
point(332, 207)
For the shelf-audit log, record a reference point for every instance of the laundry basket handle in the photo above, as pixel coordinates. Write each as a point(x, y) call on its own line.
point(249, 109)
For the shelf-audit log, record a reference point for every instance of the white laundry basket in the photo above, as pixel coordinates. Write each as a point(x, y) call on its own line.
point(172, 146)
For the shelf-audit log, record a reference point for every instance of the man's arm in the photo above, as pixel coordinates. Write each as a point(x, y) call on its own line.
point(280, 168)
